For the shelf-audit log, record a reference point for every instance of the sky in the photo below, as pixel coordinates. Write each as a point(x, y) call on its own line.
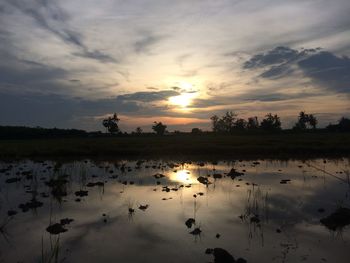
point(69, 64)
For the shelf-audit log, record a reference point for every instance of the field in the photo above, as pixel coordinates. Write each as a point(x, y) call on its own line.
point(184, 145)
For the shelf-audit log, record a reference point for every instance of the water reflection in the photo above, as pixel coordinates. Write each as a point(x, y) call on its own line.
point(183, 177)
point(155, 211)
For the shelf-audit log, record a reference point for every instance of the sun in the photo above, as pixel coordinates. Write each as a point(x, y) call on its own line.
point(183, 100)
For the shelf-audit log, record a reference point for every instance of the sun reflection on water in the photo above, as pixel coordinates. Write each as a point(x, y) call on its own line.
point(183, 177)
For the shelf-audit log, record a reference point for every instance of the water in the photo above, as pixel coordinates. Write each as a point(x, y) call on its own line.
point(259, 216)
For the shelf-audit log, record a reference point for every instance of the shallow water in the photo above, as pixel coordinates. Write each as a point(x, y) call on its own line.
point(259, 216)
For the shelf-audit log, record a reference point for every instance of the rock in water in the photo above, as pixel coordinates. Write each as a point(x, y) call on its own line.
point(222, 256)
point(339, 219)
point(189, 222)
point(233, 173)
point(66, 221)
point(203, 180)
point(197, 231)
point(55, 229)
point(81, 193)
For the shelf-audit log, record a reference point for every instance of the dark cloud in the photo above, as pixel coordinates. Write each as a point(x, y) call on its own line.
point(96, 55)
point(20, 76)
point(52, 110)
point(328, 70)
point(249, 96)
point(34, 109)
point(271, 96)
point(277, 55)
point(277, 62)
point(42, 18)
point(324, 68)
point(148, 96)
point(23, 75)
point(279, 71)
point(49, 16)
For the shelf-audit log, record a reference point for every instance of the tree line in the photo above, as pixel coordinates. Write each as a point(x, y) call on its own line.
point(20, 132)
point(226, 124)
point(230, 123)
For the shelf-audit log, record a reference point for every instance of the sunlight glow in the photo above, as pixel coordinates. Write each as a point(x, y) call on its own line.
point(186, 86)
point(184, 100)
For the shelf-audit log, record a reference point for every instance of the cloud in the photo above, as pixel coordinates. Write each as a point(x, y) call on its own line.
point(328, 70)
point(19, 74)
point(96, 55)
point(49, 16)
point(35, 109)
point(147, 40)
point(324, 68)
point(148, 96)
point(180, 60)
point(277, 55)
point(99, 51)
point(277, 62)
point(53, 110)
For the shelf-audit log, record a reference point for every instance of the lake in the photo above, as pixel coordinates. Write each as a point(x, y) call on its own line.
point(175, 211)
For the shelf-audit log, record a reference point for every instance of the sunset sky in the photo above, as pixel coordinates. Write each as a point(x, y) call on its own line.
point(68, 64)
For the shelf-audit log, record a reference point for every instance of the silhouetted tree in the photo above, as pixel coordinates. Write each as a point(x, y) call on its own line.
point(271, 122)
point(253, 123)
point(196, 131)
point(304, 120)
point(215, 122)
point(111, 124)
point(240, 124)
point(228, 121)
point(342, 126)
point(313, 121)
point(225, 124)
point(138, 130)
point(159, 128)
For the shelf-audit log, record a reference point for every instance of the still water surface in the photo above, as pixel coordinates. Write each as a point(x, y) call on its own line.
point(169, 211)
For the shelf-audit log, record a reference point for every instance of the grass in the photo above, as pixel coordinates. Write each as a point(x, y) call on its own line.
point(184, 145)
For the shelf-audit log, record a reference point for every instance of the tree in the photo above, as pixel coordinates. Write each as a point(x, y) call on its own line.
point(228, 121)
point(138, 130)
point(313, 121)
point(304, 120)
point(215, 119)
point(159, 128)
point(225, 124)
point(240, 124)
point(111, 124)
point(253, 123)
point(271, 122)
point(196, 131)
point(344, 124)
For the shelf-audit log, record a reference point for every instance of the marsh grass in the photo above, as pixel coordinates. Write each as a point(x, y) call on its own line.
point(52, 255)
point(256, 213)
point(210, 145)
point(3, 226)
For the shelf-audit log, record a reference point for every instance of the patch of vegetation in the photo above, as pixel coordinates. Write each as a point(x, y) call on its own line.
point(260, 144)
